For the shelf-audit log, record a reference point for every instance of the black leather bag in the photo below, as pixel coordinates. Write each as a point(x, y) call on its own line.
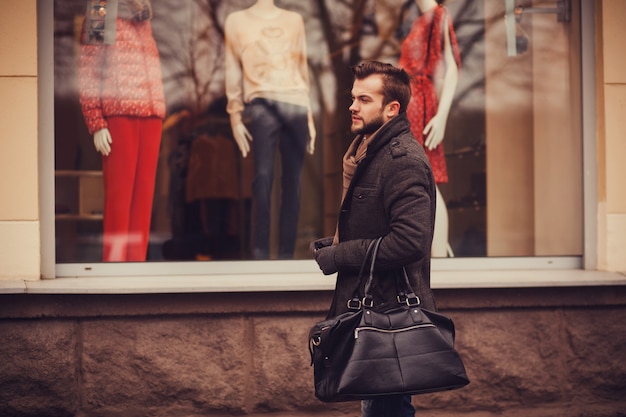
point(366, 353)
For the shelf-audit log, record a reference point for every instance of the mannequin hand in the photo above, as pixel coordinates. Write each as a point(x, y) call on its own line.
point(242, 137)
point(434, 132)
point(310, 148)
point(102, 141)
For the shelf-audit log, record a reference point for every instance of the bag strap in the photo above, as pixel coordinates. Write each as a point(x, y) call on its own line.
point(355, 302)
point(406, 296)
point(368, 300)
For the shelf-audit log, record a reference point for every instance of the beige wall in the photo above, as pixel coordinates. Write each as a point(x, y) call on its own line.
point(508, 103)
point(19, 216)
point(534, 157)
point(19, 213)
point(612, 136)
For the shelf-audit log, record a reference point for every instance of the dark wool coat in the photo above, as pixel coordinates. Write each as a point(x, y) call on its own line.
point(392, 194)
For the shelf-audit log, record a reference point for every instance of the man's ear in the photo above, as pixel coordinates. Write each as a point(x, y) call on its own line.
point(393, 109)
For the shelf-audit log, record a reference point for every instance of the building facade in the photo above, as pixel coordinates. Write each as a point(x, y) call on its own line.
point(541, 328)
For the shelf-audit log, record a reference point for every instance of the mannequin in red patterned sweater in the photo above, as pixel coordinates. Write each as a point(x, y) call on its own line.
point(121, 96)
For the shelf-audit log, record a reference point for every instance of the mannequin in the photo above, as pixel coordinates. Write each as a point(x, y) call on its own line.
point(122, 101)
point(267, 86)
point(430, 55)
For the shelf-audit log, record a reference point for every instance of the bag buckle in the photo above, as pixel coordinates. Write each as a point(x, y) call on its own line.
point(316, 340)
point(368, 302)
point(354, 304)
point(401, 298)
point(413, 301)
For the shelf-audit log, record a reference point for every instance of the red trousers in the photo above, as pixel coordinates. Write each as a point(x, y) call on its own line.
point(129, 173)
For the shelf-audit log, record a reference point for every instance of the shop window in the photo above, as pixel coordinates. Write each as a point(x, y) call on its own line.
point(512, 182)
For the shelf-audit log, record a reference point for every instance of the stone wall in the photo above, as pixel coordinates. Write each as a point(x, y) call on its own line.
point(529, 352)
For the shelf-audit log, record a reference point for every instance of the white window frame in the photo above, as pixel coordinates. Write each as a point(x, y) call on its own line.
point(302, 275)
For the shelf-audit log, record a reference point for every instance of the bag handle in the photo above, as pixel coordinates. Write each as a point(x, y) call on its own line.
point(355, 302)
point(411, 299)
point(368, 300)
point(404, 297)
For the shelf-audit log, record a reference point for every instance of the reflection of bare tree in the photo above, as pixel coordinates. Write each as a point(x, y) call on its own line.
point(341, 23)
point(191, 54)
point(206, 62)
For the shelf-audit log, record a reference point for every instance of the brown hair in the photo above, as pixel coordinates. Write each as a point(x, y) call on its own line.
point(396, 82)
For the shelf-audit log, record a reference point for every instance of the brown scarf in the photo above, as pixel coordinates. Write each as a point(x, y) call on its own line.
point(356, 153)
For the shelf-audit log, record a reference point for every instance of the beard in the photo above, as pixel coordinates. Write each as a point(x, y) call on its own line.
point(368, 127)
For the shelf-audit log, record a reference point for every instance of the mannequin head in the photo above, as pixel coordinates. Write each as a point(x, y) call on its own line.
point(138, 10)
point(424, 5)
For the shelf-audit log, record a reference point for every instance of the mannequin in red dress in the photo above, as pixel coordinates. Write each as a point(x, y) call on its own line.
point(430, 56)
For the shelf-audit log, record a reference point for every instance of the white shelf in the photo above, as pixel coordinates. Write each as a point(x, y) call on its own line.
point(86, 200)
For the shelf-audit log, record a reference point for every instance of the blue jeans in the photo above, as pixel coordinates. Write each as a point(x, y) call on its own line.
point(391, 406)
point(276, 125)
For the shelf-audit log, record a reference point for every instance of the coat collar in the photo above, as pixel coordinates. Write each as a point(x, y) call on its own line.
point(393, 128)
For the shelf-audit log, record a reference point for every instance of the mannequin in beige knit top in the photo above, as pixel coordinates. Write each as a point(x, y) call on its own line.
point(267, 86)
point(247, 29)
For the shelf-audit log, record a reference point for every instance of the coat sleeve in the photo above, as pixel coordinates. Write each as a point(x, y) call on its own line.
point(410, 204)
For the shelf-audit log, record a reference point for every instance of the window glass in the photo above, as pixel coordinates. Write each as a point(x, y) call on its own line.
point(168, 89)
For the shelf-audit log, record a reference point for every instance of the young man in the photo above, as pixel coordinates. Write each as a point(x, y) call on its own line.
point(389, 191)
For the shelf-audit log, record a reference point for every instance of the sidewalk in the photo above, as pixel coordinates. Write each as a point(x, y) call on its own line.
point(339, 410)
point(557, 410)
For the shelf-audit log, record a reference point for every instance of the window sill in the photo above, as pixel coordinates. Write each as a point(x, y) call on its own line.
point(301, 281)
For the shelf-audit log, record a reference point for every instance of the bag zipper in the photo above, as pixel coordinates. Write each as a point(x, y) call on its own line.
point(376, 329)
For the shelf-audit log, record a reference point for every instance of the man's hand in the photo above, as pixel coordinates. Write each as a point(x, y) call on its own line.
point(102, 141)
point(321, 243)
point(325, 258)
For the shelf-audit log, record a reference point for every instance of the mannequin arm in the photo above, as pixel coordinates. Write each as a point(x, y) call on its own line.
point(435, 129)
point(241, 134)
point(102, 141)
point(312, 134)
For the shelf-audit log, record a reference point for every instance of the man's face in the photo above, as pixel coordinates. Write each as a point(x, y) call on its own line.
point(368, 112)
